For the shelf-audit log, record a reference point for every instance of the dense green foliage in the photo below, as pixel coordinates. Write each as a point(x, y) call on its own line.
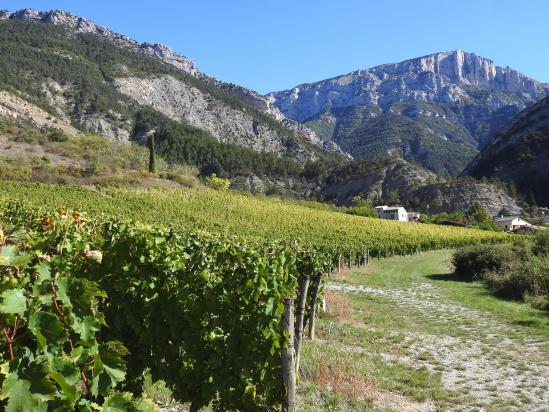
point(51, 355)
point(200, 311)
point(366, 133)
point(179, 143)
point(476, 217)
point(519, 270)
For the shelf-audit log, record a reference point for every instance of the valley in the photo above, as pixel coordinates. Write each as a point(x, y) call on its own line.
point(374, 241)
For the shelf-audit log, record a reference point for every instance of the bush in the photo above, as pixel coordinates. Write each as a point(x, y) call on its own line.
point(471, 263)
point(518, 271)
point(541, 246)
point(522, 278)
point(217, 183)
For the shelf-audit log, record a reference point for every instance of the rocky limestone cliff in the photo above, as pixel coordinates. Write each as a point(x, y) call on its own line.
point(169, 56)
point(440, 77)
point(448, 103)
point(16, 108)
point(182, 102)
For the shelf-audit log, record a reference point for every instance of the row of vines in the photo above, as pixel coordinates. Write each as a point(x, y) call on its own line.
point(87, 305)
point(88, 301)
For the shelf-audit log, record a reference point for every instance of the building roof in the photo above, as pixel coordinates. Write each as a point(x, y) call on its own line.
point(509, 219)
point(389, 207)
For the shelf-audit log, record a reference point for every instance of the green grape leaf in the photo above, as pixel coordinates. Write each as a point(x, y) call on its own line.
point(111, 357)
point(7, 253)
point(86, 327)
point(48, 329)
point(119, 402)
point(18, 392)
point(43, 272)
point(69, 391)
point(13, 302)
point(21, 260)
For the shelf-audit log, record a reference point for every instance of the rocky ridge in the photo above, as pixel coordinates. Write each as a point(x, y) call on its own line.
point(440, 77)
point(396, 181)
point(447, 104)
point(169, 56)
point(520, 154)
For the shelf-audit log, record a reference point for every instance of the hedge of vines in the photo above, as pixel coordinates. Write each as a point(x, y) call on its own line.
point(88, 304)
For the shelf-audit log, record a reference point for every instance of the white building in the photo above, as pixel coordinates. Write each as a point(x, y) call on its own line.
point(392, 213)
point(509, 223)
point(413, 216)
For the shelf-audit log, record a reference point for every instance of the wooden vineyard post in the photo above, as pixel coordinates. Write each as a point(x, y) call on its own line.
point(312, 311)
point(350, 261)
point(339, 265)
point(288, 357)
point(299, 317)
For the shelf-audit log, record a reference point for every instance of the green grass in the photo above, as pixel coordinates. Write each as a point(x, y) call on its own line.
point(368, 345)
point(433, 268)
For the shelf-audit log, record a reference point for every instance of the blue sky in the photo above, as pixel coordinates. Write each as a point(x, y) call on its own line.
point(277, 44)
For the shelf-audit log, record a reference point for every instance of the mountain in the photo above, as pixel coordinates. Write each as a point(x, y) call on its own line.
point(393, 180)
point(98, 80)
point(437, 110)
point(520, 154)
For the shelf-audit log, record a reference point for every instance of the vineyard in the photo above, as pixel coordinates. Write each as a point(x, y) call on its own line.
point(254, 217)
point(158, 280)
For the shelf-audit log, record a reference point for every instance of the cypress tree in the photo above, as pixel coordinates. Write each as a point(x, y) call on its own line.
point(152, 161)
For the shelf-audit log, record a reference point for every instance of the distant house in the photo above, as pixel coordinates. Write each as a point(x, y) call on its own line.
point(509, 223)
point(392, 213)
point(413, 216)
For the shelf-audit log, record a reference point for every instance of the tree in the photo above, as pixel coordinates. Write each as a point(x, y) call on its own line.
point(504, 212)
point(152, 160)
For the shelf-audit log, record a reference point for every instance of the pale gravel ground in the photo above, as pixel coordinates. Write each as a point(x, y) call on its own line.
point(479, 356)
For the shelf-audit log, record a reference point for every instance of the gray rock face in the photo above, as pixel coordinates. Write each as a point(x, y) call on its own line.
point(182, 102)
point(398, 182)
point(461, 196)
point(445, 104)
point(169, 56)
point(440, 77)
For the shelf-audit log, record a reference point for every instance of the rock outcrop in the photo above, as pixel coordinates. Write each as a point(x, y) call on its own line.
point(395, 181)
point(14, 107)
point(460, 97)
point(520, 154)
point(169, 56)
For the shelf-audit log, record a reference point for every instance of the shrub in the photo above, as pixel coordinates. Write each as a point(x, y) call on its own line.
point(471, 263)
point(522, 278)
point(217, 183)
point(541, 246)
point(518, 271)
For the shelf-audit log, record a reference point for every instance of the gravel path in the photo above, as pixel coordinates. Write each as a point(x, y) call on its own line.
point(496, 365)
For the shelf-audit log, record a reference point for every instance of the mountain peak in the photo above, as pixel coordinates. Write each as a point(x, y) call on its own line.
point(463, 68)
point(83, 25)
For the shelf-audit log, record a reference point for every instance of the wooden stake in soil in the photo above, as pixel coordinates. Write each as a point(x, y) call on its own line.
point(299, 316)
point(312, 310)
point(288, 357)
